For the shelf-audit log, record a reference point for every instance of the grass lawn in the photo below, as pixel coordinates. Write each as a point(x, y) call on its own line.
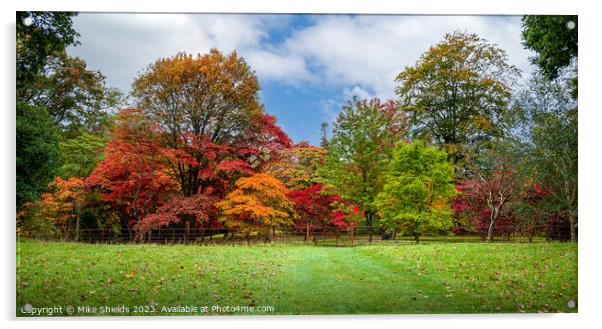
point(296, 279)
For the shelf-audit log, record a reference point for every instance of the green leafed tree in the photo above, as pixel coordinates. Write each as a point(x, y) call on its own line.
point(418, 185)
point(554, 40)
point(364, 135)
point(40, 35)
point(550, 121)
point(38, 155)
point(75, 100)
point(457, 91)
point(81, 154)
point(74, 95)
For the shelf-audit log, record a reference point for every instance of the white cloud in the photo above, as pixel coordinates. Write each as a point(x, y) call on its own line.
point(369, 51)
point(361, 54)
point(356, 91)
point(271, 65)
point(121, 45)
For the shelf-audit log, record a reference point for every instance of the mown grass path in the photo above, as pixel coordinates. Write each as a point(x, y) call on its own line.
point(437, 278)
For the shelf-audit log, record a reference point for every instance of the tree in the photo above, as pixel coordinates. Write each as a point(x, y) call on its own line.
point(81, 154)
point(297, 166)
point(208, 112)
point(196, 210)
point(134, 173)
point(76, 97)
point(258, 204)
point(532, 209)
point(324, 132)
point(555, 156)
point(417, 189)
point(316, 207)
point(550, 121)
point(491, 182)
point(553, 40)
point(49, 34)
point(38, 155)
point(456, 92)
point(64, 203)
point(363, 138)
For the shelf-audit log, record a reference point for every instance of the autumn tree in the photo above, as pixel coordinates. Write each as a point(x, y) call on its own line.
point(258, 204)
point(492, 181)
point(134, 173)
point(198, 210)
point(364, 135)
point(456, 92)
point(417, 189)
point(64, 203)
point(297, 166)
point(208, 111)
point(316, 207)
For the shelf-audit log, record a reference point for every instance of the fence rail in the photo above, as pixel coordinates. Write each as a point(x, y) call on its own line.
point(318, 236)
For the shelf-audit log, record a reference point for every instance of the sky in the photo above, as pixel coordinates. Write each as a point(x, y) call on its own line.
point(308, 66)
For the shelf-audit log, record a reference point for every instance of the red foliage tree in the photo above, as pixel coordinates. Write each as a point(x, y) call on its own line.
point(483, 203)
point(318, 209)
point(197, 210)
point(492, 182)
point(134, 173)
point(143, 174)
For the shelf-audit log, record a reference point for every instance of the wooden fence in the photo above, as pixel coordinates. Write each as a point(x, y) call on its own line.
point(327, 236)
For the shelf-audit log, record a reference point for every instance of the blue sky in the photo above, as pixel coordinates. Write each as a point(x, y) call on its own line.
point(307, 65)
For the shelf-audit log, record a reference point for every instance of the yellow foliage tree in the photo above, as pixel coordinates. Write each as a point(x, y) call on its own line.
point(257, 206)
point(297, 165)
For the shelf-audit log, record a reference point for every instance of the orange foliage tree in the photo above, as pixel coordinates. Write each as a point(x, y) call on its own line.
point(64, 203)
point(208, 111)
point(208, 130)
point(258, 205)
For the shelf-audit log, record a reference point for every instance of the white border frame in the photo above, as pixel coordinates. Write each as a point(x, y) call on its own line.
point(589, 159)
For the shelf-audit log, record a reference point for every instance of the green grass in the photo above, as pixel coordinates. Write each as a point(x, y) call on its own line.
point(299, 279)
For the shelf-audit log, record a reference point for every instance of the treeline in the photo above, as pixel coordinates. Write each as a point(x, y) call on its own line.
point(465, 147)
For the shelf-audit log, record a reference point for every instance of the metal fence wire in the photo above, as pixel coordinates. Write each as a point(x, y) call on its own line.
point(324, 236)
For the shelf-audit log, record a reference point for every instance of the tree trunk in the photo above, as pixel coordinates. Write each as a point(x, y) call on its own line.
point(417, 238)
point(77, 229)
point(67, 229)
point(573, 226)
point(186, 231)
point(369, 222)
point(490, 231)
point(77, 220)
point(307, 236)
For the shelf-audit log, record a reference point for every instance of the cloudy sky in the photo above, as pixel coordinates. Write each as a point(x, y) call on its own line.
point(307, 65)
